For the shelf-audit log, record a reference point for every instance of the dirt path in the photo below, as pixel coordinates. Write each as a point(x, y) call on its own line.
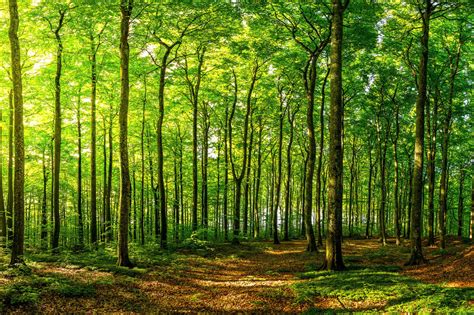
point(252, 280)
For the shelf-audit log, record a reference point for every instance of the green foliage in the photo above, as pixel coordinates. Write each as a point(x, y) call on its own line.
point(392, 290)
point(20, 293)
point(73, 289)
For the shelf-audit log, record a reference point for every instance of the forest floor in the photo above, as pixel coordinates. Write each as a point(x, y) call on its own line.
point(252, 277)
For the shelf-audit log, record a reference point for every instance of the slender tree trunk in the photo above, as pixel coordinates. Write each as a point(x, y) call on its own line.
point(291, 117)
point(247, 181)
point(142, 151)
point(396, 190)
point(79, 176)
point(159, 140)
point(471, 223)
point(156, 206)
point(417, 199)
point(334, 259)
point(432, 130)
point(3, 217)
point(93, 201)
point(310, 84)
point(351, 187)
point(279, 171)
point(238, 177)
point(461, 202)
point(205, 159)
point(258, 180)
point(443, 189)
point(19, 193)
point(44, 215)
point(226, 176)
point(320, 157)
point(369, 194)
point(9, 213)
point(126, 11)
point(57, 133)
point(108, 201)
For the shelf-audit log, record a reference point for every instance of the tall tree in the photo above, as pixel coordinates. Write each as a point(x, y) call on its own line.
point(3, 217)
point(19, 181)
point(453, 57)
point(57, 127)
point(126, 11)
point(95, 42)
point(334, 259)
point(416, 256)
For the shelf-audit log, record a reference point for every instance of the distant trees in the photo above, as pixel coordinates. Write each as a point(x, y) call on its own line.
point(232, 144)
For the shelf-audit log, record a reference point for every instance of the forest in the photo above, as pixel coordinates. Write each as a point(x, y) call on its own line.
point(236, 156)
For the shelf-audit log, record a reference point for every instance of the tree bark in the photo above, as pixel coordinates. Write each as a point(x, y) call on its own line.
point(57, 133)
point(3, 217)
point(320, 158)
point(431, 160)
point(19, 193)
point(9, 214)
point(80, 224)
point(334, 259)
point(461, 202)
point(416, 257)
point(126, 11)
point(443, 186)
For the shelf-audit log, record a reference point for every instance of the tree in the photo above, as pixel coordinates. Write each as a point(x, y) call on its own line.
point(333, 260)
point(57, 127)
point(19, 181)
point(126, 7)
point(415, 230)
point(443, 186)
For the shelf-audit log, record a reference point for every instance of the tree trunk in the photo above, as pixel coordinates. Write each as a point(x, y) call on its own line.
point(443, 186)
point(256, 202)
point(369, 193)
point(3, 217)
point(9, 214)
point(44, 215)
point(93, 202)
point(79, 176)
point(194, 97)
point(291, 117)
point(432, 130)
point(396, 193)
point(461, 202)
point(108, 205)
point(19, 193)
point(57, 133)
point(226, 176)
point(205, 159)
point(279, 169)
point(320, 158)
point(471, 227)
point(238, 177)
point(123, 259)
point(142, 151)
point(334, 259)
point(247, 181)
point(416, 257)
point(310, 83)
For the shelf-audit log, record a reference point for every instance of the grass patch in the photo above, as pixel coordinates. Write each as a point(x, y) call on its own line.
point(382, 287)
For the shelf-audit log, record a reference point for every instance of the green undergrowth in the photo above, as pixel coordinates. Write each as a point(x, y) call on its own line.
point(28, 289)
point(382, 288)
